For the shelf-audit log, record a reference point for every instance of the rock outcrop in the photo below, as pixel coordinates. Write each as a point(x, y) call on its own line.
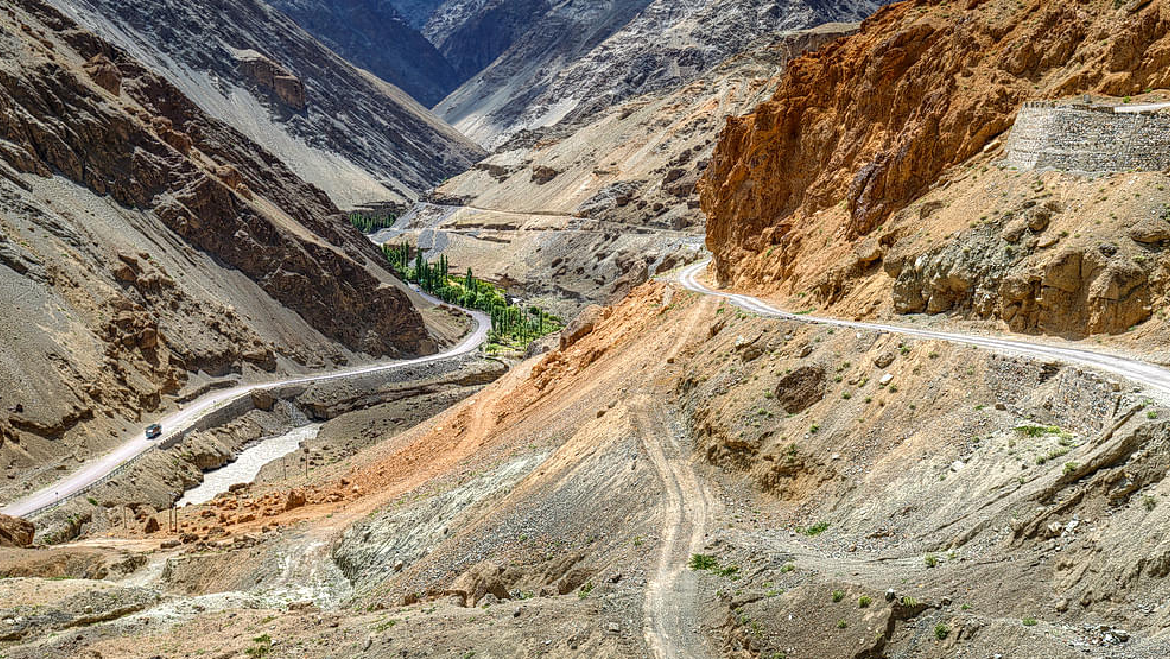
point(864, 127)
point(16, 532)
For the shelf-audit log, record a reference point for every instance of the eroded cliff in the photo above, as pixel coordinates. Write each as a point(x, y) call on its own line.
point(809, 192)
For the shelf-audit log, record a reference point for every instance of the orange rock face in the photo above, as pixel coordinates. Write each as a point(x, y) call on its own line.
point(871, 121)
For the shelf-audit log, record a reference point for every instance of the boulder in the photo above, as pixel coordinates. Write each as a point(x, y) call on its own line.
point(1150, 231)
point(801, 389)
point(295, 499)
point(581, 326)
point(16, 532)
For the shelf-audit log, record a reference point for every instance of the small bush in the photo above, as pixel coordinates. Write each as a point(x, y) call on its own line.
point(941, 631)
point(1029, 622)
point(731, 571)
point(788, 567)
point(841, 624)
point(864, 601)
point(815, 529)
point(909, 602)
point(1070, 467)
point(702, 562)
point(814, 428)
point(838, 595)
point(585, 590)
point(1149, 502)
point(931, 560)
point(1151, 414)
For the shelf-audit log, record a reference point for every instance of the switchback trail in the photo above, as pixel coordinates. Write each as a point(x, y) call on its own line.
point(1145, 373)
point(182, 419)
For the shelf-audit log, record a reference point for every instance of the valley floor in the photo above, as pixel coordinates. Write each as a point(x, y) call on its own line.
point(681, 479)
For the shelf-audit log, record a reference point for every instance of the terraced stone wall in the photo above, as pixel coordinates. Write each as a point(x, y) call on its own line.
point(1088, 139)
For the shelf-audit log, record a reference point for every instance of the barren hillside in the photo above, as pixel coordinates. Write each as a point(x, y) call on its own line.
point(592, 205)
point(373, 35)
point(577, 59)
point(848, 494)
point(146, 247)
point(354, 136)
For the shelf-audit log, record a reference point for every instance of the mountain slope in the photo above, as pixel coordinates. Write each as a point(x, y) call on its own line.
point(578, 59)
point(373, 35)
point(146, 247)
point(875, 177)
point(352, 135)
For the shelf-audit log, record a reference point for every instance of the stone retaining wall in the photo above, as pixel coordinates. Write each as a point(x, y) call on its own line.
point(1088, 139)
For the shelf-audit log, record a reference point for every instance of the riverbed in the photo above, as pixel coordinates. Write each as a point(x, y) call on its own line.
point(248, 464)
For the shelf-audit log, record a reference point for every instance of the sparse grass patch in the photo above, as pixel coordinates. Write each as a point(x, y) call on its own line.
point(931, 560)
point(1029, 622)
point(1051, 455)
point(1149, 503)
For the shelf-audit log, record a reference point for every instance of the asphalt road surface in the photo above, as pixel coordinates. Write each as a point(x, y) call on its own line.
point(98, 468)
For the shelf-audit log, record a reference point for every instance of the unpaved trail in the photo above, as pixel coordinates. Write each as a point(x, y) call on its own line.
point(670, 625)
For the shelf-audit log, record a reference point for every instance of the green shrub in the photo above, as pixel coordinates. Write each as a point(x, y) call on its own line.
point(931, 560)
point(838, 595)
point(864, 601)
point(702, 562)
point(941, 631)
point(815, 529)
point(841, 624)
point(1029, 622)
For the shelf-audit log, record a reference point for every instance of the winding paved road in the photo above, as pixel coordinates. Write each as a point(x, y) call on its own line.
point(1145, 373)
point(178, 421)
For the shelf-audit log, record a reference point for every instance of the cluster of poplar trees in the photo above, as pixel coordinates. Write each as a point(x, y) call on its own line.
point(371, 223)
point(510, 323)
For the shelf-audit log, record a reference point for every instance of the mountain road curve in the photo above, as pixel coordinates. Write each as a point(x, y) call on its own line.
point(182, 419)
point(1147, 374)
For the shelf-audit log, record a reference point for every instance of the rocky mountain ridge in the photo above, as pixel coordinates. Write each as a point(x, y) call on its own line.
point(349, 133)
point(577, 60)
point(373, 35)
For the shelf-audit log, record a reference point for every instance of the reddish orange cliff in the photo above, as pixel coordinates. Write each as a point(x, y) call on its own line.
point(870, 122)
